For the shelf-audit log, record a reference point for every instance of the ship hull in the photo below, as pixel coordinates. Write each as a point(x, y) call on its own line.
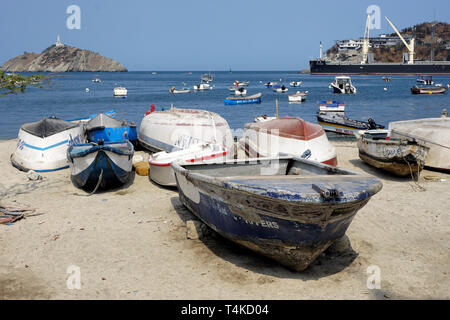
point(321, 67)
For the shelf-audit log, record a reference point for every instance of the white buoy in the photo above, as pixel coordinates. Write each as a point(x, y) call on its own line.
point(87, 89)
point(385, 89)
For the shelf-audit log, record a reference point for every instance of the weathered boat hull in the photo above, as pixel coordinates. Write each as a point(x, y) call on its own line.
point(400, 157)
point(108, 165)
point(431, 132)
point(429, 90)
point(291, 228)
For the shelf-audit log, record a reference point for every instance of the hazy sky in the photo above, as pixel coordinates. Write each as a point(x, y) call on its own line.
point(203, 34)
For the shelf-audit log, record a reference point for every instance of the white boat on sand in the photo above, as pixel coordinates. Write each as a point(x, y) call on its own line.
point(42, 145)
point(433, 133)
point(162, 173)
point(177, 129)
point(287, 135)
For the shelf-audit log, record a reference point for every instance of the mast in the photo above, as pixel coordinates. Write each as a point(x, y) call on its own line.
point(409, 46)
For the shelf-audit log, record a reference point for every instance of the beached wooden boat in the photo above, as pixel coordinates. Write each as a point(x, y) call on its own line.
point(177, 129)
point(109, 129)
point(42, 145)
point(254, 98)
point(299, 96)
point(288, 135)
point(402, 157)
point(431, 132)
point(162, 173)
point(101, 165)
point(288, 209)
point(428, 90)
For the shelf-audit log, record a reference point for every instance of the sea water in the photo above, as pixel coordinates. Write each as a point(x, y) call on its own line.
point(67, 97)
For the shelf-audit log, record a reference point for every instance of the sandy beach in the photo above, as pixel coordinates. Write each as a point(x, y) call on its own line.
point(131, 243)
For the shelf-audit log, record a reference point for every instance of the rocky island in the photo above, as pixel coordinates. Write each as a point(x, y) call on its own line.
point(62, 58)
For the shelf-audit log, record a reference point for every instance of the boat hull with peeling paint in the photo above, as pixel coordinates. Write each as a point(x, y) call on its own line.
point(288, 209)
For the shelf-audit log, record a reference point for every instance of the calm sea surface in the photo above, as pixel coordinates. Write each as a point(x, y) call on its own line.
point(67, 97)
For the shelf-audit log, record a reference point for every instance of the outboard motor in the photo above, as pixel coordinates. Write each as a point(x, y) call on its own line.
point(372, 124)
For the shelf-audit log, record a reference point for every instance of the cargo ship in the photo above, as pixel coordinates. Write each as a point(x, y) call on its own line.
point(368, 66)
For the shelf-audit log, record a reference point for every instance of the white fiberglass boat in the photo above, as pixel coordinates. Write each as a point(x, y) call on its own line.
point(161, 172)
point(177, 129)
point(42, 145)
point(120, 92)
point(299, 96)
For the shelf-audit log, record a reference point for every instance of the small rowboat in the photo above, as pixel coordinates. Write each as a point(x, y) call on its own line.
point(299, 96)
point(255, 98)
point(402, 157)
point(281, 89)
point(428, 90)
point(109, 129)
point(286, 208)
point(295, 83)
point(240, 92)
point(102, 165)
point(161, 172)
point(184, 90)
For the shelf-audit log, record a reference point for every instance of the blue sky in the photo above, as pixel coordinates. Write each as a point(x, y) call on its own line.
point(203, 34)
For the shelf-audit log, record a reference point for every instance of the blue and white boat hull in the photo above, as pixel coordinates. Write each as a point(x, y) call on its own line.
point(113, 161)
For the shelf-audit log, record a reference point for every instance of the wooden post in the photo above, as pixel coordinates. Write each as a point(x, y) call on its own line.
point(276, 108)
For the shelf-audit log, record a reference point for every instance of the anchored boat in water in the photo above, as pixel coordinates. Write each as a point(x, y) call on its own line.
point(287, 135)
point(429, 90)
point(254, 98)
point(286, 208)
point(343, 84)
point(299, 96)
point(42, 145)
point(331, 116)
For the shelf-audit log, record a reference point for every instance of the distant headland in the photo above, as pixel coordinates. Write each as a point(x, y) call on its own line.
point(62, 58)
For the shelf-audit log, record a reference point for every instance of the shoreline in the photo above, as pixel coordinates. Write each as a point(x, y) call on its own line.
point(130, 243)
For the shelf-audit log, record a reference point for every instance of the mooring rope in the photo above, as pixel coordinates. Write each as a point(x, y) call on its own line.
point(96, 187)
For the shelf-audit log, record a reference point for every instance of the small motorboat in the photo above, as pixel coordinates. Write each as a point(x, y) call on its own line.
point(281, 89)
point(101, 165)
point(87, 89)
point(429, 90)
point(287, 135)
point(286, 208)
point(106, 128)
point(343, 85)
point(425, 81)
point(183, 90)
point(96, 80)
point(272, 84)
point(203, 86)
point(177, 129)
point(241, 83)
point(299, 96)
point(295, 83)
point(240, 92)
point(400, 156)
point(431, 132)
point(387, 79)
point(162, 173)
point(255, 98)
point(207, 77)
point(331, 116)
point(42, 145)
point(120, 92)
